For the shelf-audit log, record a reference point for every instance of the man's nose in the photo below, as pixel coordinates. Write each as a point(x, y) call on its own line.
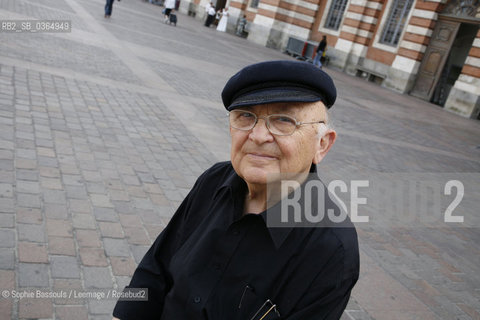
point(260, 132)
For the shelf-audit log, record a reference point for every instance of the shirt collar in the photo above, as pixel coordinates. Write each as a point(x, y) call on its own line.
point(280, 234)
point(233, 182)
point(238, 188)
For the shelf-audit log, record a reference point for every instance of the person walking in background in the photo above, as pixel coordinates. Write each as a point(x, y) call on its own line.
point(320, 50)
point(169, 6)
point(222, 24)
point(241, 26)
point(108, 8)
point(210, 15)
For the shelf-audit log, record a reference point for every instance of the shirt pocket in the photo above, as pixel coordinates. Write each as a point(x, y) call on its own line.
point(252, 307)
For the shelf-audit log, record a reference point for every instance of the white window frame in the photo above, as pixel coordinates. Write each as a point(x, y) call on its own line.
point(332, 32)
point(385, 47)
point(249, 5)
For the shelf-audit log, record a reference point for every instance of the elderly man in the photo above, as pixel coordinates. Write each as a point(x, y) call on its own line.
point(219, 258)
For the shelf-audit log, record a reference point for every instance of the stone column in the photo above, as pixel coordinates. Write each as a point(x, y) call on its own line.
point(277, 20)
point(236, 9)
point(356, 33)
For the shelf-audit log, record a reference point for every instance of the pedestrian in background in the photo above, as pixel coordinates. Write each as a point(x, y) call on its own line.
point(207, 9)
point(241, 26)
point(108, 8)
point(210, 15)
point(320, 51)
point(169, 6)
point(222, 24)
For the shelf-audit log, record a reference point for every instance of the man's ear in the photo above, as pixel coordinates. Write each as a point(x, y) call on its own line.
point(324, 145)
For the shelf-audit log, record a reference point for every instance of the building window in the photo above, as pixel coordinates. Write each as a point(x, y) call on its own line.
point(396, 21)
point(254, 3)
point(335, 14)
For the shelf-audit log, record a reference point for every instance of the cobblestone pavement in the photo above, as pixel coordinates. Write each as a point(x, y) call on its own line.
point(103, 131)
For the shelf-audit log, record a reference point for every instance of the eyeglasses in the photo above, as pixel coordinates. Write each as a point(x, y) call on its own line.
point(277, 124)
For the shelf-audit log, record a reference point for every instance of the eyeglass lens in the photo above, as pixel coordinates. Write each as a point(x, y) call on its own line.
point(277, 124)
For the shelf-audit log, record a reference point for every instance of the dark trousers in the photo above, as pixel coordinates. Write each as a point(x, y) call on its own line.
point(108, 7)
point(209, 20)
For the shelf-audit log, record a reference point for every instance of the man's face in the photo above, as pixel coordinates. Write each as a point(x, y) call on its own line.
point(257, 153)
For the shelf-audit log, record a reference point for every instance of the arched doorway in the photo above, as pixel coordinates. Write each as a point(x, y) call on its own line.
point(220, 4)
point(451, 40)
point(454, 63)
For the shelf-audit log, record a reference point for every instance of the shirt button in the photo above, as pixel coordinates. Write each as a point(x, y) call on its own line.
point(236, 233)
point(197, 299)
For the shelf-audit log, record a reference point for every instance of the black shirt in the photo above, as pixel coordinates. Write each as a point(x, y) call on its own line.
point(214, 262)
point(321, 46)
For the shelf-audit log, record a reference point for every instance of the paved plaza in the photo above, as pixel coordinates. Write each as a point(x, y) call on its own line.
point(104, 130)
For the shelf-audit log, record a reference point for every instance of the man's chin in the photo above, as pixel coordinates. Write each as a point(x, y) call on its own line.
point(267, 177)
point(257, 180)
point(256, 176)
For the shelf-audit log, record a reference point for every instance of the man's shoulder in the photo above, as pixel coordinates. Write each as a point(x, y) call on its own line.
point(345, 240)
point(219, 169)
point(346, 236)
point(217, 173)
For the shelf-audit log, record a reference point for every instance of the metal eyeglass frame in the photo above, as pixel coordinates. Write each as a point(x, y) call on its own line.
point(267, 122)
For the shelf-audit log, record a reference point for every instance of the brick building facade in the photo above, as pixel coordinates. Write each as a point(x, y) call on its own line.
point(427, 48)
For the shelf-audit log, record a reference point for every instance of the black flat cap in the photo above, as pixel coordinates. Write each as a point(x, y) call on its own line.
point(278, 81)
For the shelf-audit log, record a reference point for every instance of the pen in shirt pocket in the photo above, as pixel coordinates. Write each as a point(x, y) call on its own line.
point(247, 287)
point(268, 310)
